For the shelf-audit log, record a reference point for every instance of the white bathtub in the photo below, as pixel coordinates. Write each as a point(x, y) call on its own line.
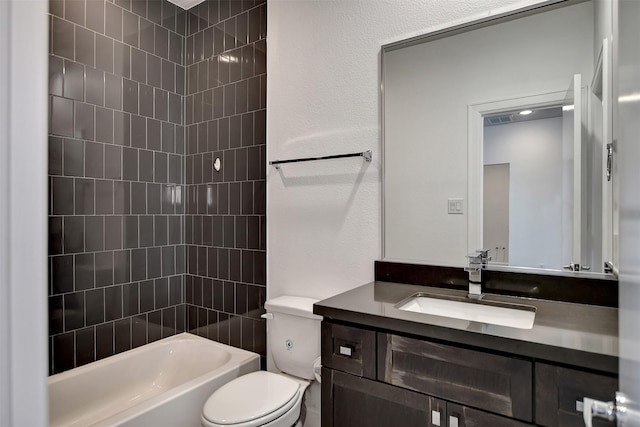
point(165, 383)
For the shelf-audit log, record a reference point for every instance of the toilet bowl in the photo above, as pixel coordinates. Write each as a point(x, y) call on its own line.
point(273, 399)
point(256, 399)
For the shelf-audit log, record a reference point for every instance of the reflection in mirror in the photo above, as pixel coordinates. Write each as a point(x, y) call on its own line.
point(433, 151)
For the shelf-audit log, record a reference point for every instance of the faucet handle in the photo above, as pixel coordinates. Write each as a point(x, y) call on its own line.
point(483, 254)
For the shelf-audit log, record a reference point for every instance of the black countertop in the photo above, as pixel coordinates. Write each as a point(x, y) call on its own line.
point(567, 333)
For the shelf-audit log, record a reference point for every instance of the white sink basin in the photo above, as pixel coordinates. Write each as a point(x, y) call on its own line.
point(492, 312)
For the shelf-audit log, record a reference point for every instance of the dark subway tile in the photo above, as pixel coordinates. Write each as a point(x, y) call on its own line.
point(130, 28)
point(95, 16)
point(104, 47)
point(154, 327)
point(121, 128)
point(121, 198)
point(139, 7)
point(130, 164)
point(73, 234)
point(94, 159)
point(113, 302)
point(154, 70)
point(84, 272)
point(259, 268)
point(146, 100)
point(169, 15)
point(130, 299)
point(95, 306)
point(175, 109)
point(138, 65)
point(147, 302)
point(85, 46)
point(160, 230)
point(154, 263)
point(154, 198)
point(168, 138)
point(56, 75)
point(84, 121)
point(61, 121)
point(55, 235)
point(74, 311)
point(154, 11)
point(113, 94)
point(162, 293)
point(104, 125)
point(161, 165)
point(145, 165)
point(74, 11)
point(153, 135)
point(234, 265)
point(62, 274)
point(94, 86)
point(176, 48)
point(63, 352)
point(180, 259)
point(121, 60)
point(94, 233)
point(138, 131)
point(180, 80)
point(63, 195)
point(260, 128)
point(253, 163)
point(168, 76)
point(121, 267)
point(253, 232)
point(130, 96)
point(175, 230)
point(146, 231)
point(113, 21)
point(139, 331)
point(85, 346)
point(104, 268)
point(168, 322)
point(56, 315)
point(113, 232)
point(62, 36)
point(122, 338)
point(175, 290)
point(168, 261)
point(162, 42)
point(131, 232)
point(138, 264)
point(147, 36)
point(104, 341)
point(112, 162)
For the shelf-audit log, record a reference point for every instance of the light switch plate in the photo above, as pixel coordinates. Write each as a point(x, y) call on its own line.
point(455, 206)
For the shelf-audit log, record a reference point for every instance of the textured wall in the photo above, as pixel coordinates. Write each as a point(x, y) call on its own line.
point(323, 76)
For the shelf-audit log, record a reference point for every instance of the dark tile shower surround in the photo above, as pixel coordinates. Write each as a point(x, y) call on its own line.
point(145, 239)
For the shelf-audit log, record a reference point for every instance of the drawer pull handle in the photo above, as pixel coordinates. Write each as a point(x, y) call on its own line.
point(346, 350)
point(435, 418)
point(453, 421)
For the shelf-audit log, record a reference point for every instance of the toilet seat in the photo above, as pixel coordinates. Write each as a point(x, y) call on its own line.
point(251, 400)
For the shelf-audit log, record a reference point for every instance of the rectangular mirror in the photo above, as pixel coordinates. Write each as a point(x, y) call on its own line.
point(465, 170)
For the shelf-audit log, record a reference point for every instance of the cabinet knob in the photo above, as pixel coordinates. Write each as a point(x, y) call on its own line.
point(453, 421)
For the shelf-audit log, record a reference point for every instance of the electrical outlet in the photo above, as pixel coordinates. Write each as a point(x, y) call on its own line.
point(455, 206)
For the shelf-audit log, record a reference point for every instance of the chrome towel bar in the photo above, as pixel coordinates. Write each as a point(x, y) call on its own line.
point(365, 154)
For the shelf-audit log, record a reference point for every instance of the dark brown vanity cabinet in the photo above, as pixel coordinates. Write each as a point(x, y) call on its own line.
point(383, 379)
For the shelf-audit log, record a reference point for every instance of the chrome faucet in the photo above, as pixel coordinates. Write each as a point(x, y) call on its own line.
point(477, 262)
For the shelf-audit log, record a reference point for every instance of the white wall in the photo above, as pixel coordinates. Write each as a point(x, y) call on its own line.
point(533, 150)
point(426, 117)
point(323, 73)
point(23, 212)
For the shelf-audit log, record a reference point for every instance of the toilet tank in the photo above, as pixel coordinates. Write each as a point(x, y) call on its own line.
point(294, 334)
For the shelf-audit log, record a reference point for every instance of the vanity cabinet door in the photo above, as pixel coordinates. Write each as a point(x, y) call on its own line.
point(498, 384)
point(349, 401)
point(349, 349)
point(559, 394)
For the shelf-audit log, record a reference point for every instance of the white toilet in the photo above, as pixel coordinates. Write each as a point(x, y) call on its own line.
point(265, 398)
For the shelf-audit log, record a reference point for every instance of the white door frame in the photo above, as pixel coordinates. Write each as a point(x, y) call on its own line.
point(24, 61)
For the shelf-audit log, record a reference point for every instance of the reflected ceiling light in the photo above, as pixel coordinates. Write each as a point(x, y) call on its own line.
point(567, 108)
point(525, 112)
point(634, 97)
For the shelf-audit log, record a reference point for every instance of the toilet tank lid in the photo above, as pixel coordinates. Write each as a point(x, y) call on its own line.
point(297, 306)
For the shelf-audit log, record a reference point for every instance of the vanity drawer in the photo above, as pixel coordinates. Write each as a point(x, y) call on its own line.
point(559, 394)
point(349, 349)
point(498, 384)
